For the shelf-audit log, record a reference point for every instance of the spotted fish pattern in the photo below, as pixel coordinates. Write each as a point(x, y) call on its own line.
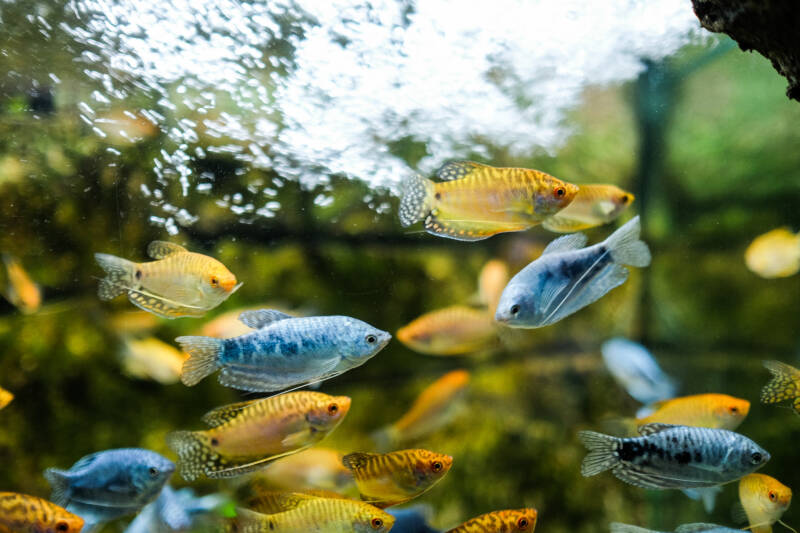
point(507, 521)
point(20, 513)
point(784, 386)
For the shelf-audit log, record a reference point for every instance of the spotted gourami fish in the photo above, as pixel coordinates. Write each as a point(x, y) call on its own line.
point(386, 479)
point(784, 386)
point(594, 205)
point(775, 254)
point(283, 351)
point(673, 457)
point(718, 411)
point(110, 484)
point(21, 291)
point(246, 436)
point(616, 527)
point(153, 359)
point(568, 277)
point(454, 330)
point(177, 283)
point(20, 513)
point(508, 521)
point(5, 398)
point(315, 468)
point(764, 500)
point(320, 515)
point(475, 201)
point(434, 408)
point(637, 371)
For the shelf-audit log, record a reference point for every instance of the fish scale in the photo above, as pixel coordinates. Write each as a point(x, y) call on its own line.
point(506, 521)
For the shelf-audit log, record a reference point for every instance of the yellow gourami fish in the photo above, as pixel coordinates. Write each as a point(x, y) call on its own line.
point(20, 513)
point(454, 330)
point(153, 359)
point(784, 386)
point(177, 283)
point(246, 436)
point(764, 500)
point(594, 205)
point(271, 502)
point(775, 254)
point(315, 468)
point(509, 521)
point(491, 282)
point(6, 397)
point(386, 479)
point(434, 408)
point(717, 411)
point(475, 201)
point(21, 291)
point(320, 515)
point(133, 322)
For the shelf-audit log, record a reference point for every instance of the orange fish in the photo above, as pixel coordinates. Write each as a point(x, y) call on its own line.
point(510, 521)
point(475, 201)
point(775, 254)
point(491, 282)
point(784, 386)
point(455, 330)
point(178, 283)
point(434, 408)
point(764, 500)
point(386, 479)
point(20, 513)
point(592, 206)
point(315, 468)
point(5, 397)
point(717, 411)
point(21, 291)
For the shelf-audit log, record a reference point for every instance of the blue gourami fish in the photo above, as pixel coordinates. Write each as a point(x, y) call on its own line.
point(637, 371)
point(177, 283)
point(110, 484)
point(283, 351)
point(568, 277)
point(174, 510)
point(673, 457)
point(475, 201)
point(616, 527)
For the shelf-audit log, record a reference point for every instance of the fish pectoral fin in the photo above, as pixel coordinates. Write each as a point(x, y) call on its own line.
point(161, 249)
point(226, 413)
point(262, 317)
point(650, 480)
point(246, 468)
point(298, 438)
point(469, 230)
point(456, 170)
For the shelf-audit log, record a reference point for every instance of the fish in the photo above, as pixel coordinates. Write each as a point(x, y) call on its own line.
point(6, 398)
point(21, 291)
point(492, 280)
point(474, 201)
point(454, 330)
point(699, 527)
point(673, 457)
point(636, 370)
point(314, 468)
point(507, 521)
point(110, 484)
point(133, 322)
point(387, 479)
point(764, 500)
point(594, 205)
point(310, 513)
point(246, 436)
point(20, 513)
point(435, 407)
point(775, 254)
point(151, 358)
point(412, 519)
point(283, 351)
point(176, 283)
point(568, 277)
point(271, 502)
point(784, 385)
point(174, 510)
point(717, 411)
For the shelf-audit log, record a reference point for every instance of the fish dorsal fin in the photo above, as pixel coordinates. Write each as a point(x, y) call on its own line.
point(651, 429)
point(357, 460)
point(226, 413)
point(161, 249)
point(456, 170)
point(573, 241)
point(695, 528)
point(262, 317)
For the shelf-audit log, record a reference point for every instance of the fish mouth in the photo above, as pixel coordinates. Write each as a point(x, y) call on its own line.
point(502, 318)
point(232, 288)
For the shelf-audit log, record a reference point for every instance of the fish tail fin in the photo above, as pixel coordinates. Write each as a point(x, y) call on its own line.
point(204, 354)
point(415, 203)
point(385, 438)
point(193, 452)
point(616, 527)
point(782, 386)
point(625, 246)
point(602, 452)
point(59, 484)
point(119, 275)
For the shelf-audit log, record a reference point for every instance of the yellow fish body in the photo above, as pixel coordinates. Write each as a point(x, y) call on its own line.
point(475, 201)
point(717, 411)
point(6, 397)
point(454, 330)
point(153, 359)
point(271, 502)
point(491, 282)
point(775, 254)
point(21, 291)
point(320, 515)
point(315, 468)
point(246, 436)
point(784, 386)
point(434, 408)
point(177, 283)
point(509, 521)
point(20, 513)
point(133, 322)
point(594, 205)
point(386, 479)
point(764, 500)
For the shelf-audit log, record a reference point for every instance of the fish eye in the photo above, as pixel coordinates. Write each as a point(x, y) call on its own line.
point(560, 191)
point(522, 523)
point(514, 309)
point(376, 523)
point(755, 458)
point(62, 526)
point(333, 409)
point(371, 339)
point(772, 496)
point(734, 410)
point(214, 281)
point(437, 466)
point(153, 472)
point(626, 198)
